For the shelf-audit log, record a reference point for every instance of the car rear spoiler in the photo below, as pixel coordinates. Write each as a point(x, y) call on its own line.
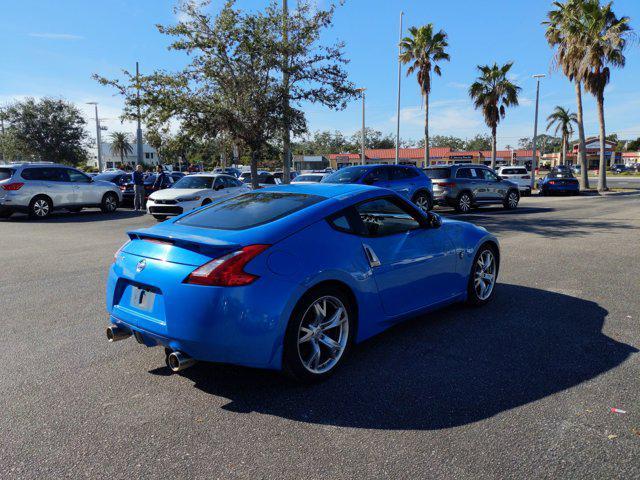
point(196, 243)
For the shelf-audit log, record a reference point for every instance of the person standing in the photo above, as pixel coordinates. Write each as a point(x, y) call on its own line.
point(138, 188)
point(161, 179)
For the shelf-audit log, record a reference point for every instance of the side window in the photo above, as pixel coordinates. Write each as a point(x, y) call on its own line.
point(463, 173)
point(375, 176)
point(396, 173)
point(33, 174)
point(488, 175)
point(411, 172)
point(55, 175)
point(341, 222)
point(218, 183)
point(77, 177)
point(383, 216)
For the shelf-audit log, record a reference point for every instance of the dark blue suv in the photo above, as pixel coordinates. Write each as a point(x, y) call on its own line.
point(407, 180)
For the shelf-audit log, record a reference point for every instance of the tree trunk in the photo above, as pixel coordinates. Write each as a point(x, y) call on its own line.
point(254, 167)
point(602, 173)
point(493, 146)
point(426, 130)
point(582, 149)
point(563, 159)
point(286, 137)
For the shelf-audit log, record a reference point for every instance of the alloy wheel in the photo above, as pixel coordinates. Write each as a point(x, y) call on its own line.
point(110, 203)
point(464, 203)
point(323, 334)
point(484, 275)
point(422, 201)
point(41, 208)
point(513, 200)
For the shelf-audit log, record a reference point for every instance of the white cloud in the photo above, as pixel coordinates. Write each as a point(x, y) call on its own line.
point(458, 85)
point(525, 101)
point(56, 36)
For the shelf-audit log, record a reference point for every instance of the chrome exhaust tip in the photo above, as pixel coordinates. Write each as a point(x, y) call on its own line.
point(115, 333)
point(178, 361)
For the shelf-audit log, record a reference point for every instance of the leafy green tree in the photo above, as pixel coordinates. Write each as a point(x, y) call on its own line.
point(562, 119)
point(633, 145)
point(493, 92)
point(423, 50)
point(450, 141)
point(478, 142)
point(120, 145)
point(51, 129)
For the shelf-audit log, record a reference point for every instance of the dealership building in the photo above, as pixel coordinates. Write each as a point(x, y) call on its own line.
point(437, 156)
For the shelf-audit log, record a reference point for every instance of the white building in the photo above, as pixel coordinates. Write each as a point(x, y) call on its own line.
point(110, 159)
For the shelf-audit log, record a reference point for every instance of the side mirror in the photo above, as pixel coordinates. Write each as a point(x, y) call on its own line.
point(435, 220)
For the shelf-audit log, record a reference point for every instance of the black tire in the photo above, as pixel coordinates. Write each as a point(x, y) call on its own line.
point(464, 203)
point(40, 207)
point(473, 298)
point(293, 364)
point(423, 201)
point(109, 203)
point(511, 200)
point(160, 218)
point(75, 209)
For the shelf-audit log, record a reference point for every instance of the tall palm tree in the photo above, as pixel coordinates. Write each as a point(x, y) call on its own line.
point(560, 27)
point(563, 121)
point(423, 49)
point(120, 145)
point(493, 92)
point(603, 38)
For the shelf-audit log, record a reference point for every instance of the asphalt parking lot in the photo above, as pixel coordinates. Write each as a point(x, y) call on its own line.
point(522, 388)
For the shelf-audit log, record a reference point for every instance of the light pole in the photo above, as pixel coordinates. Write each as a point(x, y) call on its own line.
point(535, 131)
point(98, 136)
point(399, 82)
point(362, 156)
point(139, 130)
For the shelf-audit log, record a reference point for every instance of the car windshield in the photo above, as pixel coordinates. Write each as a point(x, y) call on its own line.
point(560, 175)
point(6, 173)
point(346, 175)
point(307, 178)
point(437, 173)
point(249, 210)
point(194, 182)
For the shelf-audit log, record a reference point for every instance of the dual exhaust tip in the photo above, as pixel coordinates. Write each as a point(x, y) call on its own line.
point(176, 361)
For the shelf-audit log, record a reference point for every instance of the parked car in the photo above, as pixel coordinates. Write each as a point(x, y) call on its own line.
point(149, 188)
point(290, 278)
point(117, 177)
point(247, 175)
point(191, 192)
point(234, 172)
point(619, 168)
point(265, 179)
point(175, 176)
point(558, 182)
point(407, 180)
point(308, 178)
point(466, 186)
point(518, 175)
point(39, 188)
point(280, 175)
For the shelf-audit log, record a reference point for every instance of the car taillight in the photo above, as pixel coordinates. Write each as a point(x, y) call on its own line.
point(446, 184)
point(552, 182)
point(12, 187)
point(228, 270)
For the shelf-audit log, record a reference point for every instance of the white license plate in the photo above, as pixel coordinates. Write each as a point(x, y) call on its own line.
point(142, 299)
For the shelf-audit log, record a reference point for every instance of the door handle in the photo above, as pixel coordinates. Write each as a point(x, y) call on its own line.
point(373, 259)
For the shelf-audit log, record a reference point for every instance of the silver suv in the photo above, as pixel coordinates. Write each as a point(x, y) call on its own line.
point(466, 186)
point(39, 188)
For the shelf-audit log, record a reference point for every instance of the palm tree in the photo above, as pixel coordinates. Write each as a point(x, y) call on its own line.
point(560, 27)
point(493, 92)
point(423, 49)
point(120, 145)
point(563, 121)
point(603, 37)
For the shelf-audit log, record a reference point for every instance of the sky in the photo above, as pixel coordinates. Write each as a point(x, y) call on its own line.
point(51, 48)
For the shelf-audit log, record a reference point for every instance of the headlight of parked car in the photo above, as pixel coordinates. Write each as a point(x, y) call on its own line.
point(187, 199)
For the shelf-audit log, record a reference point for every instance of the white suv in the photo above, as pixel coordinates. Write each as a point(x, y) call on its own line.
point(39, 188)
point(515, 174)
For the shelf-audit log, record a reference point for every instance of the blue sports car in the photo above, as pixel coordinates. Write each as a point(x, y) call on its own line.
point(407, 180)
point(291, 277)
point(559, 181)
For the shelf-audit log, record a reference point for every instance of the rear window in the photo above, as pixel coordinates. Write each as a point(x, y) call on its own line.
point(249, 210)
point(513, 171)
point(6, 173)
point(308, 178)
point(438, 173)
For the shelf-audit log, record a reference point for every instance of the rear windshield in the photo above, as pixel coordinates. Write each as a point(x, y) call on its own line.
point(249, 210)
point(513, 171)
point(6, 173)
point(308, 178)
point(437, 173)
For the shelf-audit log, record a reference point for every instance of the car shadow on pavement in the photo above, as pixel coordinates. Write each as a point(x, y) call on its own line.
point(79, 217)
point(446, 369)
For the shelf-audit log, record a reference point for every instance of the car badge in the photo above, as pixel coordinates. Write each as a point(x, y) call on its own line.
point(141, 265)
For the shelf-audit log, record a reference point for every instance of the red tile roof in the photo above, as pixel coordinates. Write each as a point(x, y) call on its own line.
point(631, 154)
point(416, 153)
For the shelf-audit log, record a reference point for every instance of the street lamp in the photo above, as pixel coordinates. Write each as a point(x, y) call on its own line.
point(98, 136)
point(535, 130)
point(399, 82)
point(139, 129)
point(362, 156)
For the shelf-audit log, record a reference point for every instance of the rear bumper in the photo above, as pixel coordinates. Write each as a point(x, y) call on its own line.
point(562, 188)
